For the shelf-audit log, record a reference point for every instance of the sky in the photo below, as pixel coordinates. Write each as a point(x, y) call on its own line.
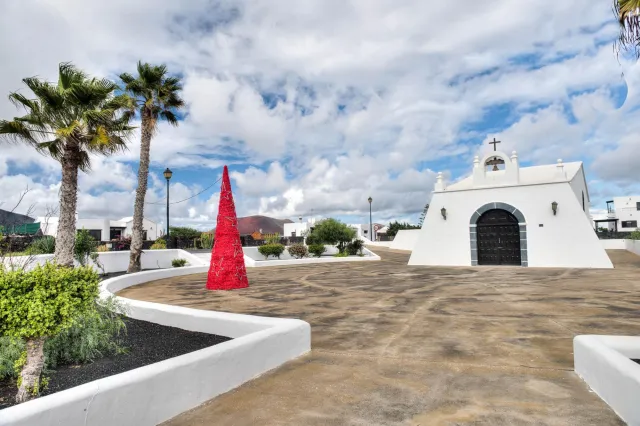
point(315, 105)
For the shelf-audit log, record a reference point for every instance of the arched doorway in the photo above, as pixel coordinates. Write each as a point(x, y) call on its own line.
point(498, 236)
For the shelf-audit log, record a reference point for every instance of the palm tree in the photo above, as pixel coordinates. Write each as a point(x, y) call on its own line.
point(628, 14)
point(156, 95)
point(68, 121)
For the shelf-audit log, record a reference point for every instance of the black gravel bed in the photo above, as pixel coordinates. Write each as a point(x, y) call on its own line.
point(145, 343)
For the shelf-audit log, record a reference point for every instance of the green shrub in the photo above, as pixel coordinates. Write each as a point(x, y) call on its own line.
point(298, 251)
point(177, 263)
point(317, 249)
point(159, 244)
point(271, 250)
point(341, 254)
point(10, 350)
point(44, 245)
point(85, 248)
point(93, 334)
point(355, 247)
point(183, 232)
point(635, 235)
point(40, 304)
point(206, 240)
point(332, 231)
point(272, 238)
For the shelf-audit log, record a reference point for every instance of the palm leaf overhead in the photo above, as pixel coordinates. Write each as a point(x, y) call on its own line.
point(78, 112)
point(628, 14)
point(68, 121)
point(155, 95)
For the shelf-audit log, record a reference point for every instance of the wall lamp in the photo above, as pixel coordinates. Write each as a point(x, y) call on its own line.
point(443, 212)
point(554, 207)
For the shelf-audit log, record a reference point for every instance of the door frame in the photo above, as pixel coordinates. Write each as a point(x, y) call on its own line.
point(522, 224)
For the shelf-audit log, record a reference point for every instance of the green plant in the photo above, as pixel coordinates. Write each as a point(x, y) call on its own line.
point(298, 251)
point(341, 254)
point(317, 249)
point(184, 232)
point(396, 226)
point(159, 244)
point(271, 250)
point(355, 247)
point(635, 235)
point(70, 120)
point(206, 240)
point(85, 248)
point(332, 231)
point(102, 248)
point(93, 334)
point(272, 238)
point(44, 245)
point(41, 303)
point(178, 263)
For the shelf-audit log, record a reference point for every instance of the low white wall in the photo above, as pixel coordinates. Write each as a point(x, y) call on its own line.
point(118, 261)
point(614, 244)
point(630, 245)
point(253, 258)
point(604, 362)
point(405, 239)
point(155, 393)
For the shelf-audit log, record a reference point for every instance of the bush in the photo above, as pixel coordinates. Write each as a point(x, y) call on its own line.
point(160, 244)
point(341, 254)
point(355, 247)
point(93, 334)
point(206, 240)
point(44, 245)
point(298, 251)
point(183, 232)
point(332, 231)
point(271, 250)
point(85, 247)
point(635, 235)
point(317, 249)
point(178, 263)
point(271, 238)
point(103, 248)
point(39, 304)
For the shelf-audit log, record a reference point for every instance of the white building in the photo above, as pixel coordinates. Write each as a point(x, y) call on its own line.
point(103, 229)
point(504, 214)
point(622, 215)
point(298, 229)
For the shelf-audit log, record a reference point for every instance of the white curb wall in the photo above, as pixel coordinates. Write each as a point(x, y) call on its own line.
point(155, 393)
point(604, 363)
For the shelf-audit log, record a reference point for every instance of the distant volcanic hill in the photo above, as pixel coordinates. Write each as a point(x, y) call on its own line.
point(263, 224)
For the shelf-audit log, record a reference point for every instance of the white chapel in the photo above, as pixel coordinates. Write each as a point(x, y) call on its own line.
point(504, 214)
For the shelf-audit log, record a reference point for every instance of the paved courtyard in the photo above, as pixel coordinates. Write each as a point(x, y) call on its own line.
point(400, 345)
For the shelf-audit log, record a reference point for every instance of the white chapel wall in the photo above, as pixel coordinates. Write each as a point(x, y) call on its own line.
point(564, 240)
point(579, 188)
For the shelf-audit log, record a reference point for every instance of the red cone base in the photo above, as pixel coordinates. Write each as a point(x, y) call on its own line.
point(227, 270)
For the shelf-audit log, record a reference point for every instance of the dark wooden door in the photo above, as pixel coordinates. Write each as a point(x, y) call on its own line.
point(498, 236)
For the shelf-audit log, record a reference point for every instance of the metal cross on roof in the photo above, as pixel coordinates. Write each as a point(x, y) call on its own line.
point(494, 144)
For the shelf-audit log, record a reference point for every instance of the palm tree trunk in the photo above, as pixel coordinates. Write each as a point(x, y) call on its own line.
point(148, 123)
point(31, 371)
point(66, 234)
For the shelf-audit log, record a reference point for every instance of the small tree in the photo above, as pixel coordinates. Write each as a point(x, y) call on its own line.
point(334, 232)
point(38, 304)
point(396, 226)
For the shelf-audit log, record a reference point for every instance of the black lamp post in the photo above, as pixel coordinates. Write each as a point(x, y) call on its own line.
point(370, 221)
point(167, 175)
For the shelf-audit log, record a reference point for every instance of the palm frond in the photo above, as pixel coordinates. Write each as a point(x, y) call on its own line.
point(47, 93)
point(52, 148)
point(170, 117)
point(16, 131)
point(68, 75)
point(19, 100)
point(628, 14)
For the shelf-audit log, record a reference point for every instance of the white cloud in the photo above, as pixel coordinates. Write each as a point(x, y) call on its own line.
point(369, 93)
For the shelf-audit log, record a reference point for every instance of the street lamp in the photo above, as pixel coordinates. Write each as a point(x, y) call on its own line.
point(167, 175)
point(370, 221)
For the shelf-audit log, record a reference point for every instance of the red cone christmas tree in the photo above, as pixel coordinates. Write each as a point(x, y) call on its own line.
point(227, 271)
